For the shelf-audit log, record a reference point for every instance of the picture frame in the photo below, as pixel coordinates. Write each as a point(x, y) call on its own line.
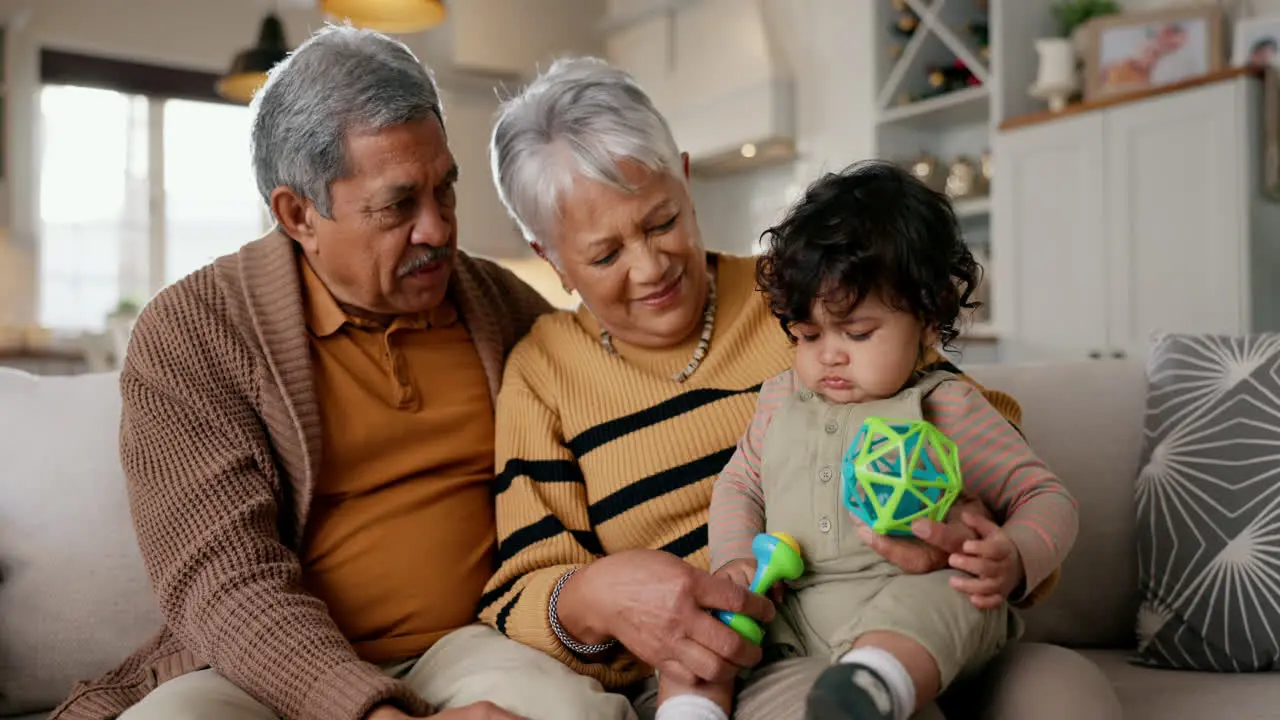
point(1256, 43)
point(1134, 52)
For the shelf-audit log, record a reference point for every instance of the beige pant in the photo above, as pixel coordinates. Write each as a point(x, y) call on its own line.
point(467, 666)
point(825, 619)
point(1028, 680)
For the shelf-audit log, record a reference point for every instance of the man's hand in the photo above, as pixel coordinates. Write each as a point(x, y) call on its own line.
point(934, 542)
point(993, 561)
point(743, 571)
point(658, 606)
point(476, 711)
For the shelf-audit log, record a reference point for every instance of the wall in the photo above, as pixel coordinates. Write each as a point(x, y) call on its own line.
point(204, 35)
point(829, 43)
point(826, 43)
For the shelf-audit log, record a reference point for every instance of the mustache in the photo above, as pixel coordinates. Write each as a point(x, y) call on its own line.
point(430, 254)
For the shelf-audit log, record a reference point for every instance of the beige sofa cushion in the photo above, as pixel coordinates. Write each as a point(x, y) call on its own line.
point(74, 597)
point(1154, 694)
point(1085, 421)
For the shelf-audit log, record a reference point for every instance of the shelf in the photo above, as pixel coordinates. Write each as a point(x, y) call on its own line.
point(961, 107)
point(1091, 105)
point(972, 207)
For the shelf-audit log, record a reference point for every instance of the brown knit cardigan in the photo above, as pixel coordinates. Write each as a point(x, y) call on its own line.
point(220, 442)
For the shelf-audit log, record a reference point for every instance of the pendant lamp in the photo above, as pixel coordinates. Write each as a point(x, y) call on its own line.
point(249, 68)
point(389, 16)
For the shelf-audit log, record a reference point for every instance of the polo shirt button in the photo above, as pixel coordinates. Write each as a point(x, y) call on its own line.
point(825, 474)
point(806, 395)
point(824, 525)
point(832, 427)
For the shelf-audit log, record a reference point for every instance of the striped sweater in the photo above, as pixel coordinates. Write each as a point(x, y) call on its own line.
point(996, 463)
point(600, 454)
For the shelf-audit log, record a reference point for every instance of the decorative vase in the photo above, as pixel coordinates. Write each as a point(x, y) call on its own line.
point(1056, 77)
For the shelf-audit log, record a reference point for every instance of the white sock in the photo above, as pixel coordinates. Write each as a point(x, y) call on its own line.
point(894, 674)
point(689, 707)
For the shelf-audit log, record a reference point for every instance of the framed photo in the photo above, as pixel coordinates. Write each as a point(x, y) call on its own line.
point(1257, 43)
point(1131, 52)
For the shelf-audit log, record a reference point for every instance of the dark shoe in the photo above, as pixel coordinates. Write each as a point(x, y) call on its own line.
point(849, 692)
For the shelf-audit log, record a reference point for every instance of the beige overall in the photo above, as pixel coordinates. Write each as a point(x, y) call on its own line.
point(848, 589)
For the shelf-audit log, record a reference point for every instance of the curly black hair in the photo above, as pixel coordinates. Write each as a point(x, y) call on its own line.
point(872, 227)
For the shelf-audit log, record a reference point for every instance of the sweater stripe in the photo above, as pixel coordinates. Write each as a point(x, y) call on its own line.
point(506, 612)
point(497, 593)
point(689, 543)
point(655, 486)
point(529, 535)
point(664, 411)
point(543, 471)
point(545, 529)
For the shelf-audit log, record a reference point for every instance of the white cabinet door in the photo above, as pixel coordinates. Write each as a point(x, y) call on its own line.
point(1049, 286)
point(1177, 215)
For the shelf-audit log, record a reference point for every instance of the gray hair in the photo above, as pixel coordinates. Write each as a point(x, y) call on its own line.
point(581, 117)
point(342, 79)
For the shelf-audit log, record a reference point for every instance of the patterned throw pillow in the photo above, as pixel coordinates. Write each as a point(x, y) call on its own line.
point(1208, 505)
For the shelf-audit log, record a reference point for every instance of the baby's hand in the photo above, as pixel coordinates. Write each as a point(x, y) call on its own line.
point(741, 572)
point(992, 561)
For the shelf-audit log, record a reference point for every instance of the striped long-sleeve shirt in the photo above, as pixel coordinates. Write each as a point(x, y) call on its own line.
point(600, 454)
point(995, 461)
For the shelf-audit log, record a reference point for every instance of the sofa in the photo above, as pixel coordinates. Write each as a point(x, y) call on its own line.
point(74, 597)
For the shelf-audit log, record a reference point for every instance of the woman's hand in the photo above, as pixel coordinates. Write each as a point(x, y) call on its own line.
point(934, 542)
point(658, 606)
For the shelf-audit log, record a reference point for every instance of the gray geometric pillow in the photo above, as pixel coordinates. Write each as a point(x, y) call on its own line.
point(1208, 502)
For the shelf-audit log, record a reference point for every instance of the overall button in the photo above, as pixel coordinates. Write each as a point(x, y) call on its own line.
point(832, 427)
point(825, 474)
point(824, 525)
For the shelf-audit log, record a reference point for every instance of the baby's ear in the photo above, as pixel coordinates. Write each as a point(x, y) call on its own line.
point(931, 336)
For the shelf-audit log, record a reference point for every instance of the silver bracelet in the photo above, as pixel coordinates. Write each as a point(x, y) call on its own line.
point(563, 636)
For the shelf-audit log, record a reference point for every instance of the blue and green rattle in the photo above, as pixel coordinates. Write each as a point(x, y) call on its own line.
point(897, 471)
point(777, 558)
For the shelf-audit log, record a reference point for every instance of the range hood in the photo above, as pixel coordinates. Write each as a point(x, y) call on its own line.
point(716, 70)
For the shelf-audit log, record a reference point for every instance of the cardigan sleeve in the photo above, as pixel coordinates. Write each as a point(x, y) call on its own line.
point(543, 529)
point(204, 491)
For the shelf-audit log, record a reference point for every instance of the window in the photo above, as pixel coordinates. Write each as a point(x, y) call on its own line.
point(135, 193)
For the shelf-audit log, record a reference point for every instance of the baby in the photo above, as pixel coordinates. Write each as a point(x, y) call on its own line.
point(866, 273)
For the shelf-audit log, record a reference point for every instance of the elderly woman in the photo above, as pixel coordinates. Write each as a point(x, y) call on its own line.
point(614, 420)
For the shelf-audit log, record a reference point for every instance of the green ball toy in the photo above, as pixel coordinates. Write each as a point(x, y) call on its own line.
point(897, 471)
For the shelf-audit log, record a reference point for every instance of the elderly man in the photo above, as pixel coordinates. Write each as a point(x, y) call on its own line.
point(308, 433)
